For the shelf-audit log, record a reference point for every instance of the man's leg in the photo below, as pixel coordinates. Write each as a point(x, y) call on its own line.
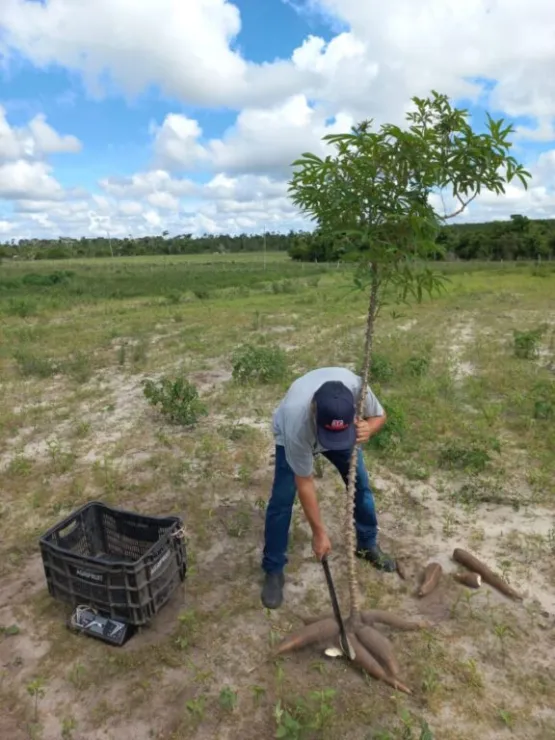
point(366, 523)
point(276, 530)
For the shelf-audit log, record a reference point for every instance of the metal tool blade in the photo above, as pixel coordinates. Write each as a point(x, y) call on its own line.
point(344, 643)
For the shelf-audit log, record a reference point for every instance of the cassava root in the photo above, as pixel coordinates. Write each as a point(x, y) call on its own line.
point(373, 651)
point(488, 576)
point(472, 580)
point(430, 579)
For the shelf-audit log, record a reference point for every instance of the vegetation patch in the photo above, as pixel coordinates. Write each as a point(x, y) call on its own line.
point(177, 399)
point(259, 364)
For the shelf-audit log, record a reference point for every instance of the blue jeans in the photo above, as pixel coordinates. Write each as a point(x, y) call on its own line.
point(280, 507)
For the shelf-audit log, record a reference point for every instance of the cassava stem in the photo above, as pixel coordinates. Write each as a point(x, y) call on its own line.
point(354, 590)
point(488, 576)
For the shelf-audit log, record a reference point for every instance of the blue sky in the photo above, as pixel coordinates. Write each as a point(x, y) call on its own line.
point(115, 131)
point(230, 94)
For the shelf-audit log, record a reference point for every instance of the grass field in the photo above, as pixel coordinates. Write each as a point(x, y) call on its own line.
point(467, 459)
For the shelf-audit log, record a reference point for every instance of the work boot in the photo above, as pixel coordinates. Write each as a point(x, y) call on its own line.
point(379, 559)
point(272, 591)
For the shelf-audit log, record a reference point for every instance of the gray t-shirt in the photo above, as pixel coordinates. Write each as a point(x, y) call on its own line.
point(294, 425)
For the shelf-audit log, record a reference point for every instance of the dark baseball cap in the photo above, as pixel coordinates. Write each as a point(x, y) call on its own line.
point(335, 416)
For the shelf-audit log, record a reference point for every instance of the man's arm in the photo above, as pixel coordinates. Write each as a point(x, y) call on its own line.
point(309, 501)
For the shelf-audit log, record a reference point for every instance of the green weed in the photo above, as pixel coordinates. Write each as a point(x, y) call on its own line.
point(36, 691)
point(455, 457)
point(79, 367)
point(417, 366)
point(526, 343)
point(381, 369)
point(543, 398)
point(299, 719)
point(228, 699)
point(393, 431)
point(21, 307)
point(264, 364)
point(31, 365)
point(177, 399)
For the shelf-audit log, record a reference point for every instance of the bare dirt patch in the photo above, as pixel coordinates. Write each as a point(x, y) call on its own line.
point(463, 335)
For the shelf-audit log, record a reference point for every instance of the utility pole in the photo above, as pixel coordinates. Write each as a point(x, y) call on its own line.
point(264, 242)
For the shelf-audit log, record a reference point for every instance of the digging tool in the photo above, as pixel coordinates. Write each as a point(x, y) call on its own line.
point(344, 643)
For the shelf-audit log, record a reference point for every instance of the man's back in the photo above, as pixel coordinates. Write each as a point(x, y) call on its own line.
point(293, 422)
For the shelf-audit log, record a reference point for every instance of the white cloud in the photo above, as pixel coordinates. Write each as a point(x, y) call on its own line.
point(28, 180)
point(442, 43)
point(245, 188)
point(223, 205)
point(184, 47)
point(261, 140)
point(34, 141)
point(176, 143)
point(147, 183)
point(270, 139)
point(544, 131)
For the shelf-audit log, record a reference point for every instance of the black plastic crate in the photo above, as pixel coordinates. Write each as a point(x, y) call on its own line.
point(125, 565)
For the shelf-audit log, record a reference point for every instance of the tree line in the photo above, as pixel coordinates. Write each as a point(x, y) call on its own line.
point(65, 248)
point(518, 238)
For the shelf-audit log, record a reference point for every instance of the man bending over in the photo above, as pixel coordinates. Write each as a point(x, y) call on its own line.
point(318, 416)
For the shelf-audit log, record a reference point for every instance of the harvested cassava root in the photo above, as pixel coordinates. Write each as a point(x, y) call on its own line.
point(472, 580)
point(308, 635)
point(373, 650)
point(488, 576)
point(401, 569)
point(380, 647)
point(430, 579)
point(366, 661)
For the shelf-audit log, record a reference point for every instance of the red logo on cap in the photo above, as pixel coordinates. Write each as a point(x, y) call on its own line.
point(337, 425)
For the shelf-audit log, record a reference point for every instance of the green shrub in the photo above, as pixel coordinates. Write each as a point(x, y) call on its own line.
point(259, 364)
point(53, 278)
point(527, 343)
point(381, 369)
point(21, 307)
point(177, 399)
point(543, 397)
point(173, 297)
point(392, 433)
point(79, 367)
point(417, 366)
point(455, 457)
point(31, 365)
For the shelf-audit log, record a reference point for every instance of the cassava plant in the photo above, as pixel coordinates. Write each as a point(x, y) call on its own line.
point(380, 193)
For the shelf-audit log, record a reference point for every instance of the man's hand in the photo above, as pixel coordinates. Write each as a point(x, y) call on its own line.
point(321, 545)
point(363, 431)
point(366, 428)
